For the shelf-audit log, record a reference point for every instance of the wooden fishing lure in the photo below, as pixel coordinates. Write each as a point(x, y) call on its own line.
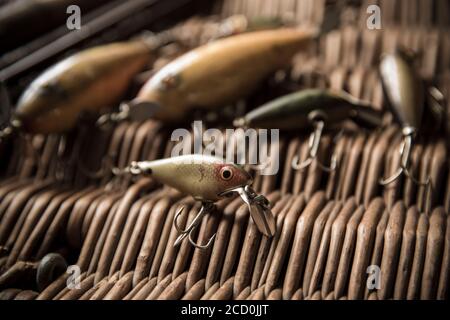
point(85, 82)
point(311, 108)
point(219, 72)
point(404, 90)
point(298, 110)
point(207, 179)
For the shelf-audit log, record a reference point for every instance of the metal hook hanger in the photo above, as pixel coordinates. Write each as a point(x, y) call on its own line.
point(314, 143)
point(206, 208)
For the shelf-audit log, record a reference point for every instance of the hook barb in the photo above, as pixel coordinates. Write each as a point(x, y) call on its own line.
point(300, 166)
point(201, 247)
point(391, 179)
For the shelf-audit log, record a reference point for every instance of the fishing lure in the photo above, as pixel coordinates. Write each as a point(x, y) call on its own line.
point(405, 93)
point(207, 179)
point(88, 81)
point(217, 73)
point(314, 108)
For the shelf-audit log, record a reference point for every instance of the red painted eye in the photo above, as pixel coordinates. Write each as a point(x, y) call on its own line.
point(226, 173)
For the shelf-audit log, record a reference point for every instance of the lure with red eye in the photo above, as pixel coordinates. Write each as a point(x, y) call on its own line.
point(226, 173)
point(205, 178)
point(231, 175)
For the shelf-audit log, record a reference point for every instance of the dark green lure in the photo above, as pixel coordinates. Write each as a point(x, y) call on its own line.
point(301, 109)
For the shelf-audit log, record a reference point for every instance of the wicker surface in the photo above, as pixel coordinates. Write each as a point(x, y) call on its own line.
point(330, 227)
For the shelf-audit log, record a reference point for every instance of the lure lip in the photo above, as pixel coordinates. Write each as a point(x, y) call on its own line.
point(235, 188)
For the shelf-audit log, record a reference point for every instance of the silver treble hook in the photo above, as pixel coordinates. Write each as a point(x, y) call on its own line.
point(405, 152)
point(206, 208)
point(314, 143)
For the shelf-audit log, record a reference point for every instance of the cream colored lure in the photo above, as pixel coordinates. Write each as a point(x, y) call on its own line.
point(87, 81)
point(206, 178)
point(220, 72)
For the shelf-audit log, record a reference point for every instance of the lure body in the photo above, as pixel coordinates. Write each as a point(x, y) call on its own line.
point(87, 81)
point(220, 72)
point(403, 89)
point(206, 178)
point(296, 110)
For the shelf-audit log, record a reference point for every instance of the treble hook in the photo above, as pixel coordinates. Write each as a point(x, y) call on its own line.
point(405, 152)
point(206, 208)
point(314, 143)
